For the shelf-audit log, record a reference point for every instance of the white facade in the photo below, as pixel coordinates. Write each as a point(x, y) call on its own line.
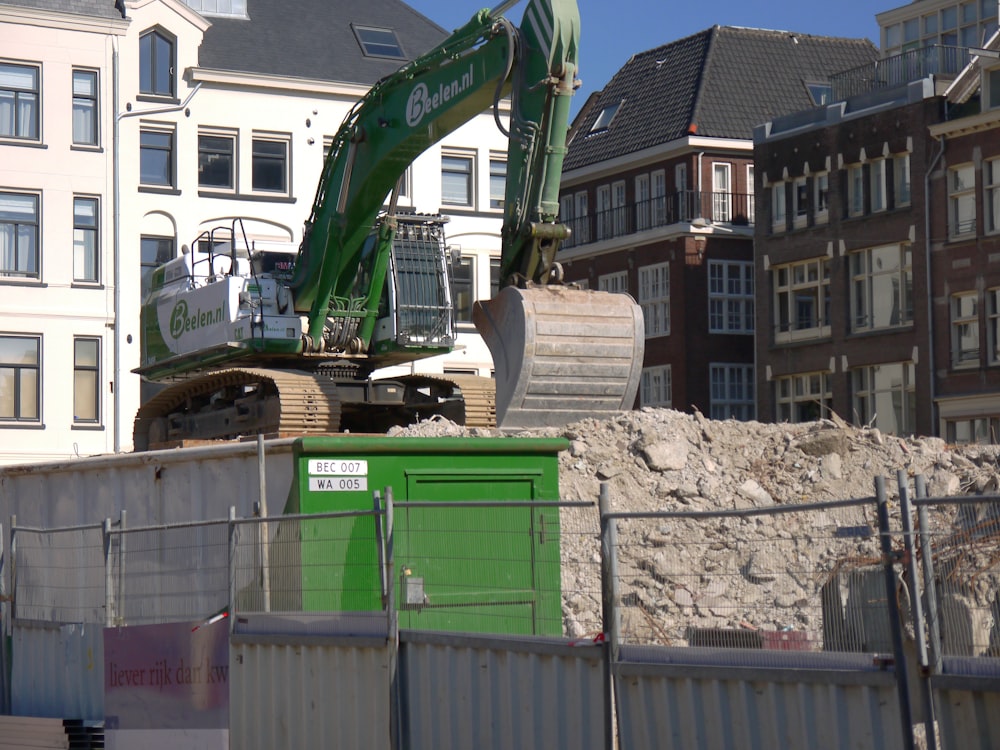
point(167, 207)
point(55, 400)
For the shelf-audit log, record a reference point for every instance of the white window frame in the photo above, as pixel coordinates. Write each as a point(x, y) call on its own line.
point(731, 391)
point(991, 195)
point(803, 397)
point(884, 396)
point(642, 203)
point(730, 297)
point(881, 287)
point(616, 283)
point(779, 207)
point(876, 185)
point(654, 298)
point(656, 387)
point(902, 189)
point(797, 284)
point(965, 330)
point(450, 161)
point(800, 202)
point(961, 201)
point(86, 239)
point(855, 190)
point(821, 198)
point(87, 383)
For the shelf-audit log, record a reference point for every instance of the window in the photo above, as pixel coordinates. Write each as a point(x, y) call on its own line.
point(217, 161)
point(603, 121)
point(462, 288)
point(731, 392)
point(156, 64)
point(964, 330)
point(498, 181)
point(654, 298)
point(800, 201)
point(802, 300)
point(19, 101)
point(616, 283)
point(901, 179)
point(991, 178)
point(236, 8)
point(881, 287)
point(20, 376)
point(642, 202)
point(85, 107)
point(821, 197)
point(722, 192)
point(19, 235)
point(658, 197)
point(86, 380)
point(618, 224)
point(730, 297)
point(855, 190)
point(884, 396)
point(85, 247)
point(156, 158)
point(655, 388)
point(376, 42)
point(269, 165)
point(876, 184)
point(802, 398)
point(779, 217)
point(458, 179)
point(993, 325)
point(961, 200)
point(603, 212)
point(154, 252)
point(582, 225)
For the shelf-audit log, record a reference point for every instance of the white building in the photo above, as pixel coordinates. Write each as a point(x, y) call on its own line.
point(218, 115)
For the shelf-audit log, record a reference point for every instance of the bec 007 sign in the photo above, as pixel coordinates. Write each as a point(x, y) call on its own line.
point(338, 475)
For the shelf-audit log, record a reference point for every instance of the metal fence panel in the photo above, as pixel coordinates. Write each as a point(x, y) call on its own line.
point(465, 691)
point(685, 707)
point(57, 671)
point(307, 692)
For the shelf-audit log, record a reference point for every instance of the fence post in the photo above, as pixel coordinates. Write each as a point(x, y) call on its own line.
point(120, 608)
point(395, 715)
point(930, 585)
point(231, 528)
point(895, 625)
point(920, 637)
point(609, 609)
point(109, 576)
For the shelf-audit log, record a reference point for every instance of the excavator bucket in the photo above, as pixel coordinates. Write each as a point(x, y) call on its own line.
point(561, 354)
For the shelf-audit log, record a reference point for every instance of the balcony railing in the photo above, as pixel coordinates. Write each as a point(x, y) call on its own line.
point(887, 73)
point(682, 206)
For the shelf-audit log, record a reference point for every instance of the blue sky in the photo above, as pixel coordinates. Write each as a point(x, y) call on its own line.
point(613, 30)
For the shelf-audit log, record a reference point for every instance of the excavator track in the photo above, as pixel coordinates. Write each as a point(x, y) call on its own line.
point(237, 402)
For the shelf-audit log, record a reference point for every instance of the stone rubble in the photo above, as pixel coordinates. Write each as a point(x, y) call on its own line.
point(656, 460)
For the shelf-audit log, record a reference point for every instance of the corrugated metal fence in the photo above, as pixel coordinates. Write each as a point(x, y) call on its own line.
point(865, 623)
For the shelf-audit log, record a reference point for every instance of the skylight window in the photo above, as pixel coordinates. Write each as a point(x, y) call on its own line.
point(821, 93)
point(377, 42)
point(603, 121)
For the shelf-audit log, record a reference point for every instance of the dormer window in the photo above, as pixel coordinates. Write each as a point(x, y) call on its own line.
point(603, 121)
point(376, 42)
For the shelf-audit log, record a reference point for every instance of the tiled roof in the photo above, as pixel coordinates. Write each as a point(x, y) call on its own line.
point(95, 8)
point(314, 39)
point(719, 83)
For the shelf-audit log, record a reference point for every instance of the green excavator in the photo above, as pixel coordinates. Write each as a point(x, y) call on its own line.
point(255, 340)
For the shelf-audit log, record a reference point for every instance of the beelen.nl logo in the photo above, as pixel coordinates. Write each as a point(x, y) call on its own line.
point(422, 102)
point(181, 322)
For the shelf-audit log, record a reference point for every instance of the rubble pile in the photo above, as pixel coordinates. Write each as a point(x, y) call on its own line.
point(681, 574)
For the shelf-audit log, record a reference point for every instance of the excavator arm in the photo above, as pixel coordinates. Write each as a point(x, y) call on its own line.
point(413, 108)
